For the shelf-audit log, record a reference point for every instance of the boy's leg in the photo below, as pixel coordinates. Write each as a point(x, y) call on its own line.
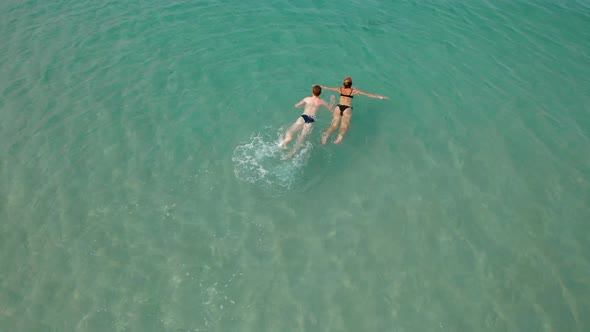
point(307, 128)
point(343, 126)
point(333, 125)
point(291, 131)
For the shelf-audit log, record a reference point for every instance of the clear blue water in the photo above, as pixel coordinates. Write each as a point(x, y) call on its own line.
point(141, 188)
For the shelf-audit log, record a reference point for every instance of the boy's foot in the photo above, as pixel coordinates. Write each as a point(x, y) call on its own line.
point(285, 141)
point(338, 139)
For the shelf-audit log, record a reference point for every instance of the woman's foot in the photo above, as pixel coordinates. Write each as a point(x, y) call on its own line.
point(338, 139)
point(325, 138)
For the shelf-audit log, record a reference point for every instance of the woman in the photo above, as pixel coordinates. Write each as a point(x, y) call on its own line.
point(344, 109)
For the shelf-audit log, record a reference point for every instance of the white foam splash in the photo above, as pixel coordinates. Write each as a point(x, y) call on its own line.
point(262, 161)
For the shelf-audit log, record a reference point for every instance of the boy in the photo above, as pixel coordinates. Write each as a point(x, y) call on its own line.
point(305, 122)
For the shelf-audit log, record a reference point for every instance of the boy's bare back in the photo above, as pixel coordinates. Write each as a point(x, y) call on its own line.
point(312, 104)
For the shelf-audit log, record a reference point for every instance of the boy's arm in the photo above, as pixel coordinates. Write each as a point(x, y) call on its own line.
point(370, 95)
point(299, 104)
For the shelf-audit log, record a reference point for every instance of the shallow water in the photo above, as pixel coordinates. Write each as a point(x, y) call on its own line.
point(141, 188)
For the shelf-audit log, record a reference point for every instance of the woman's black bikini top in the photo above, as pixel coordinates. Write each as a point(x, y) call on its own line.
point(349, 96)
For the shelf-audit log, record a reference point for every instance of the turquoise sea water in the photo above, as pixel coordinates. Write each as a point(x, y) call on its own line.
point(141, 188)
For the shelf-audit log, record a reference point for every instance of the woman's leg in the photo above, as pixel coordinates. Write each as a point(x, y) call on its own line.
point(333, 125)
point(344, 125)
